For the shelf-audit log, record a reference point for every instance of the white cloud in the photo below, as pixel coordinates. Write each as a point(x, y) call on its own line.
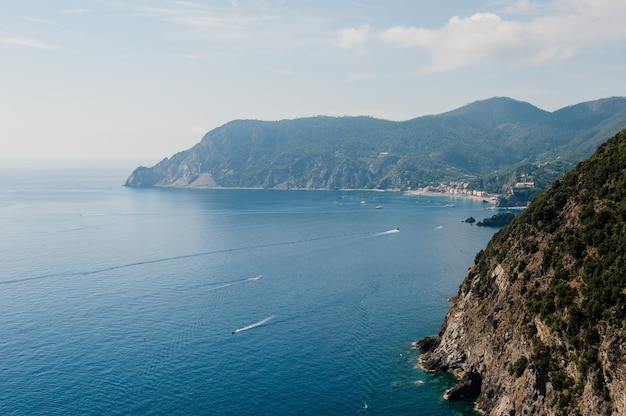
point(531, 33)
point(350, 37)
point(189, 17)
point(77, 11)
point(39, 20)
point(196, 131)
point(285, 72)
point(190, 55)
point(363, 76)
point(203, 55)
point(24, 42)
point(462, 42)
point(201, 15)
point(521, 7)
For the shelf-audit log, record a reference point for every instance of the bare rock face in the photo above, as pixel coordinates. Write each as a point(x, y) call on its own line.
point(144, 177)
point(469, 386)
point(539, 324)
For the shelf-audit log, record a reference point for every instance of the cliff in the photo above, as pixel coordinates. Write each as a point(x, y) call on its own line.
point(538, 326)
point(479, 139)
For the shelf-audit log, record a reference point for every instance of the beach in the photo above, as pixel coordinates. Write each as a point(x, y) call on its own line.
point(453, 193)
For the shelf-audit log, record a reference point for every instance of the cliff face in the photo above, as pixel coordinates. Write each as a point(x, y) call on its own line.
point(539, 323)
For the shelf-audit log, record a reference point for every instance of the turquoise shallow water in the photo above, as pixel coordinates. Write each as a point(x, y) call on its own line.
point(124, 301)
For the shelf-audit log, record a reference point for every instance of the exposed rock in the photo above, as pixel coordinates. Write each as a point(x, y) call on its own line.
point(426, 344)
point(467, 387)
point(144, 177)
point(497, 220)
point(538, 327)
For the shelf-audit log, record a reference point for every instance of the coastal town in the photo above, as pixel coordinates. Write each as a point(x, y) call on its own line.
point(453, 189)
point(462, 189)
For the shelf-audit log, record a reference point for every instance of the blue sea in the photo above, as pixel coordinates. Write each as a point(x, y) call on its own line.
point(222, 302)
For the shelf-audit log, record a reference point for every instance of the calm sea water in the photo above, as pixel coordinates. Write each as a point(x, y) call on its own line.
point(222, 302)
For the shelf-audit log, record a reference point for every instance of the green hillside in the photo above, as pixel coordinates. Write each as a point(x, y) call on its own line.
point(540, 319)
point(479, 143)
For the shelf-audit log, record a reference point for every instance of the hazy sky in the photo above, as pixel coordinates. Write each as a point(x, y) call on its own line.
point(146, 78)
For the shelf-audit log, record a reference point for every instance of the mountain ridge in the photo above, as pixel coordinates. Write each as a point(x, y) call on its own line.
point(323, 152)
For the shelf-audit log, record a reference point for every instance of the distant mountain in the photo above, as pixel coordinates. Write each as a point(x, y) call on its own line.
point(539, 323)
point(477, 140)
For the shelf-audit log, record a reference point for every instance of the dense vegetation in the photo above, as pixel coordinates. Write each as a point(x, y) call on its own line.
point(566, 257)
point(540, 174)
point(480, 144)
point(497, 220)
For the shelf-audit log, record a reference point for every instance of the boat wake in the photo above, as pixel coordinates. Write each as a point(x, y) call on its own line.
point(172, 258)
point(86, 273)
point(395, 230)
point(193, 331)
point(217, 286)
point(254, 325)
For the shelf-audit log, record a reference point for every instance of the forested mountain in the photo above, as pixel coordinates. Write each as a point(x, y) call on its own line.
point(539, 323)
point(477, 142)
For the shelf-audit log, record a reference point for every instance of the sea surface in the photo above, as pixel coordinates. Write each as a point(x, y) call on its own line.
point(222, 302)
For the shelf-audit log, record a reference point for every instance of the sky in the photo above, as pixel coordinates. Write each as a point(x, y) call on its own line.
point(144, 79)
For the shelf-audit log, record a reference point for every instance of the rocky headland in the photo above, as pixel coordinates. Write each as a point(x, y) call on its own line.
point(456, 152)
point(539, 323)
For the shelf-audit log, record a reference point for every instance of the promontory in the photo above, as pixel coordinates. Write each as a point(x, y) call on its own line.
point(492, 145)
point(539, 323)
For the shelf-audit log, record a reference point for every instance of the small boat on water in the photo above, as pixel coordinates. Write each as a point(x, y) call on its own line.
point(379, 207)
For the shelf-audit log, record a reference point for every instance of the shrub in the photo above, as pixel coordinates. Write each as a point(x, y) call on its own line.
point(518, 367)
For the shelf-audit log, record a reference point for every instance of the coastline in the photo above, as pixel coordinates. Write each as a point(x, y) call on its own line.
point(492, 199)
point(486, 198)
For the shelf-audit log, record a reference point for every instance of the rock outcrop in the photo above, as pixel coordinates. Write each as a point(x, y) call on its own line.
point(539, 323)
point(497, 220)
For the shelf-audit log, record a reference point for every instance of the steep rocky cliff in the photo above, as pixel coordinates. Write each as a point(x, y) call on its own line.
point(539, 323)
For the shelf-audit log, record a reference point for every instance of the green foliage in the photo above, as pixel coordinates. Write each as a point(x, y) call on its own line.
point(497, 220)
point(542, 174)
point(495, 135)
point(561, 381)
point(565, 400)
point(576, 283)
point(518, 367)
point(598, 187)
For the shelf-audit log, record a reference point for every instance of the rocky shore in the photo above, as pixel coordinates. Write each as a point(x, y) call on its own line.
point(537, 327)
